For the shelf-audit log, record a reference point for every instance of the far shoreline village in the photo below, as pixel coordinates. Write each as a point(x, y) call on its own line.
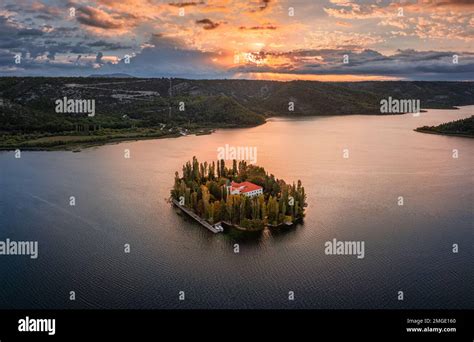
point(244, 196)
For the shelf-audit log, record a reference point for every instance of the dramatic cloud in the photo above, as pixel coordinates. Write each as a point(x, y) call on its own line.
point(108, 45)
point(207, 24)
point(237, 38)
point(427, 19)
point(404, 64)
point(267, 27)
point(185, 4)
point(169, 57)
point(98, 58)
point(97, 18)
point(38, 9)
point(263, 5)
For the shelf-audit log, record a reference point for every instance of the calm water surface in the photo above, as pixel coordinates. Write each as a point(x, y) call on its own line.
point(120, 201)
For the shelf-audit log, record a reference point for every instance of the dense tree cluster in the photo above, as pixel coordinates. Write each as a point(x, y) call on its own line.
point(461, 127)
point(203, 187)
point(27, 105)
point(28, 102)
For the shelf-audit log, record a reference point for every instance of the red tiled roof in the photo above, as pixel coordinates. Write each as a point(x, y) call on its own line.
point(244, 187)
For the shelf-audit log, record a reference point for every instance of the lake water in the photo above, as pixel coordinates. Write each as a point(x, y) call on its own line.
point(122, 201)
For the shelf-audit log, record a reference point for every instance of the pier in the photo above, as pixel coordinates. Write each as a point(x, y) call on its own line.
point(216, 228)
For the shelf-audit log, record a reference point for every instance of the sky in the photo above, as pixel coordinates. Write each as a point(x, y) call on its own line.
point(326, 40)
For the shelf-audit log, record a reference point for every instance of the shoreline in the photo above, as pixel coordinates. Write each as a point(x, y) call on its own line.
point(211, 227)
point(78, 146)
point(460, 135)
point(208, 225)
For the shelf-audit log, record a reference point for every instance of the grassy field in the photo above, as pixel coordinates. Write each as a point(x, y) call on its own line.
point(73, 141)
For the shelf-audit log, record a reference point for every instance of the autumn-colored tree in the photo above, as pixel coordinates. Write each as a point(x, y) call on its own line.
point(207, 195)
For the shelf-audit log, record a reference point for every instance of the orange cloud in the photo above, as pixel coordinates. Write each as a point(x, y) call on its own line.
point(266, 27)
point(186, 4)
point(343, 23)
point(207, 24)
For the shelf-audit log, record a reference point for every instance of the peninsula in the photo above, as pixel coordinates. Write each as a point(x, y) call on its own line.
point(460, 128)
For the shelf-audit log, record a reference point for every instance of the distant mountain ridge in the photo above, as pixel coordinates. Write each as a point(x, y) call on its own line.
point(117, 75)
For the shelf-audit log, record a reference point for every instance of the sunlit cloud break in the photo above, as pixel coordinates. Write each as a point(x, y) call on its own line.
point(314, 40)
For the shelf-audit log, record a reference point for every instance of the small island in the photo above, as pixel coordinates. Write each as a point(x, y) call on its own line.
point(460, 128)
point(243, 196)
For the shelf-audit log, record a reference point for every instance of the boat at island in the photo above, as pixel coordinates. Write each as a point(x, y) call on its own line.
point(212, 228)
point(218, 226)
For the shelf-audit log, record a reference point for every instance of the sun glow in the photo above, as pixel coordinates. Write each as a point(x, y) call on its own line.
point(309, 77)
point(255, 58)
